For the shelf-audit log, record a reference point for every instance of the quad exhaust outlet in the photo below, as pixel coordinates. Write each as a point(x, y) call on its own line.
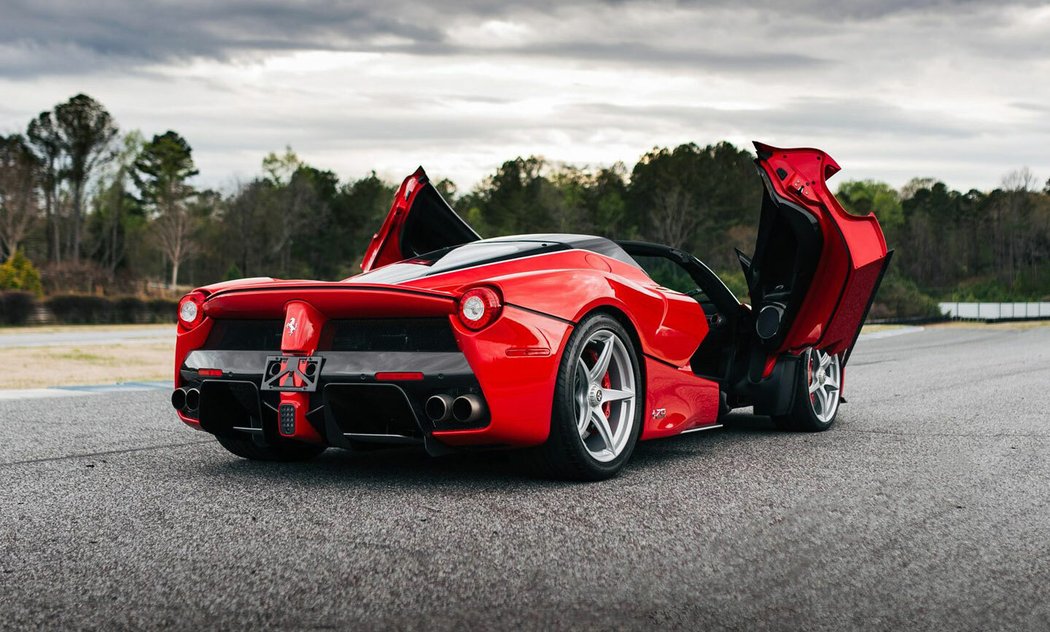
point(193, 399)
point(465, 409)
point(186, 399)
point(439, 408)
point(178, 398)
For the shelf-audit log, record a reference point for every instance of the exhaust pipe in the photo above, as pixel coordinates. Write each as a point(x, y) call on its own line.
point(193, 399)
point(467, 409)
point(178, 398)
point(439, 408)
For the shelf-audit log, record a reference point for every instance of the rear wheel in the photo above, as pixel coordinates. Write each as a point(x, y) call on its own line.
point(247, 448)
point(818, 396)
point(596, 418)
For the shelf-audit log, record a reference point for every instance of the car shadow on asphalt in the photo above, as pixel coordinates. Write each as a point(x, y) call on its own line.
point(412, 466)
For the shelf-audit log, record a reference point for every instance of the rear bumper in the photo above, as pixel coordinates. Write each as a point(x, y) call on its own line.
point(511, 365)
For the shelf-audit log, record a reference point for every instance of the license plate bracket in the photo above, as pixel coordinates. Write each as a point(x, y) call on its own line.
point(284, 372)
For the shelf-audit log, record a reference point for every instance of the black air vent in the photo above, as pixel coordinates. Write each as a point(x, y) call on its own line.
point(391, 334)
point(388, 334)
point(245, 335)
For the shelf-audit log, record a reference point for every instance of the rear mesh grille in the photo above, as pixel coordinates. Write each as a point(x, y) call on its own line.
point(396, 334)
point(287, 418)
point(390, 334)
point(245, 335)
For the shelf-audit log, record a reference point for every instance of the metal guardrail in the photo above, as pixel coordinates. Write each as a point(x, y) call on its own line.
point(996, 311)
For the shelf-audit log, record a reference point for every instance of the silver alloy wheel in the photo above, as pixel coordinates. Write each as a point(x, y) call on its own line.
point(824, 377)
point(605, 395)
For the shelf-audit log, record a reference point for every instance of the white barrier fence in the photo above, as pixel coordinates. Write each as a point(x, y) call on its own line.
point(995, 311)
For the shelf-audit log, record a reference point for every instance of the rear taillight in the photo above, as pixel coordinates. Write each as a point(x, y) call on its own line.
point(191, 310)
point(479, 306)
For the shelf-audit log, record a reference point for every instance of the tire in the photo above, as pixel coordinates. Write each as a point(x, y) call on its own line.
point(817, 396)
point(582, 446)
point(247, 448)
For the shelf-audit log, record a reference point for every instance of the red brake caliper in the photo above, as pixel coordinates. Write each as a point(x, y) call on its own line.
point(606, 406)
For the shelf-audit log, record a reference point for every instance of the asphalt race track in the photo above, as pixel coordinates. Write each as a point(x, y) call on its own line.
point(926, 507)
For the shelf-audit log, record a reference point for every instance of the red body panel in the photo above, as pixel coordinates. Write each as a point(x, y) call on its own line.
point(570, 284)
point(519, 389)
point(385, 247)
point(301, 336)
point(676, 400)
point(852, 257)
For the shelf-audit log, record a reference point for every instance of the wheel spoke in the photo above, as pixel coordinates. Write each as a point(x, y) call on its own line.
point(583, 420)
point(831, 400)
point(601, 365)
point(602, 425)
point(613, 395)
point(822, 399)
point(584, 372)
point(825, 383)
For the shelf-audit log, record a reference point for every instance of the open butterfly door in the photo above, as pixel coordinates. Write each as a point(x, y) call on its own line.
point(816, 268)
point(419, 221)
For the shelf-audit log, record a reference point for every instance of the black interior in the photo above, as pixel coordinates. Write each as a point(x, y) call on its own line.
point(715, 358)
point(432, 225)
point(787, 251)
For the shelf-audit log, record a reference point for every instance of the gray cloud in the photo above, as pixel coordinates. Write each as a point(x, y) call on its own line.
point(893, 88)
point(69, 36)
point(800, 116)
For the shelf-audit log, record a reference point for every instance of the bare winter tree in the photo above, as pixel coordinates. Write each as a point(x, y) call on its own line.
point(1011, 226)
point(173, 234)
point(674, 217)
point(19, 171)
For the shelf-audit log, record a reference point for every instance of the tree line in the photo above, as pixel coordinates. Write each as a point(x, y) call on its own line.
point(104, 211)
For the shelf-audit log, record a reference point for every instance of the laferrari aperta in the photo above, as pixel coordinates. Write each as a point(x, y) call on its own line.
point(574, 347)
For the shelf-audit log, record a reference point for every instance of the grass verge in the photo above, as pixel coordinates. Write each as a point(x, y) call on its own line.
point(41, 367)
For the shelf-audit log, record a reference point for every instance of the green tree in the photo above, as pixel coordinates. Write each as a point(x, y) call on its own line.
point(118, 212)
point(161, 173)
point(358, 210)
point(18, 273)
point(869, 196)
point(280, 168)
point(46, 140)
point(693, 197)
point(87, 131)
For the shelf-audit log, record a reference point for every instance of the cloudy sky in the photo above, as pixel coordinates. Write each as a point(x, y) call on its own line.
point(894, 89)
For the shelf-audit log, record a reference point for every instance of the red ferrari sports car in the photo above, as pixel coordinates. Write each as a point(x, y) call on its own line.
point(574, 346)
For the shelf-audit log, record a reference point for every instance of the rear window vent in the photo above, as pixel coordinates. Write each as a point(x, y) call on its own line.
point(245, 335)
point(388, 334)
point(391, 334)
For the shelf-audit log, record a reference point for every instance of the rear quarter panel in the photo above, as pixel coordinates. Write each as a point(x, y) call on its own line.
point(569, 285)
